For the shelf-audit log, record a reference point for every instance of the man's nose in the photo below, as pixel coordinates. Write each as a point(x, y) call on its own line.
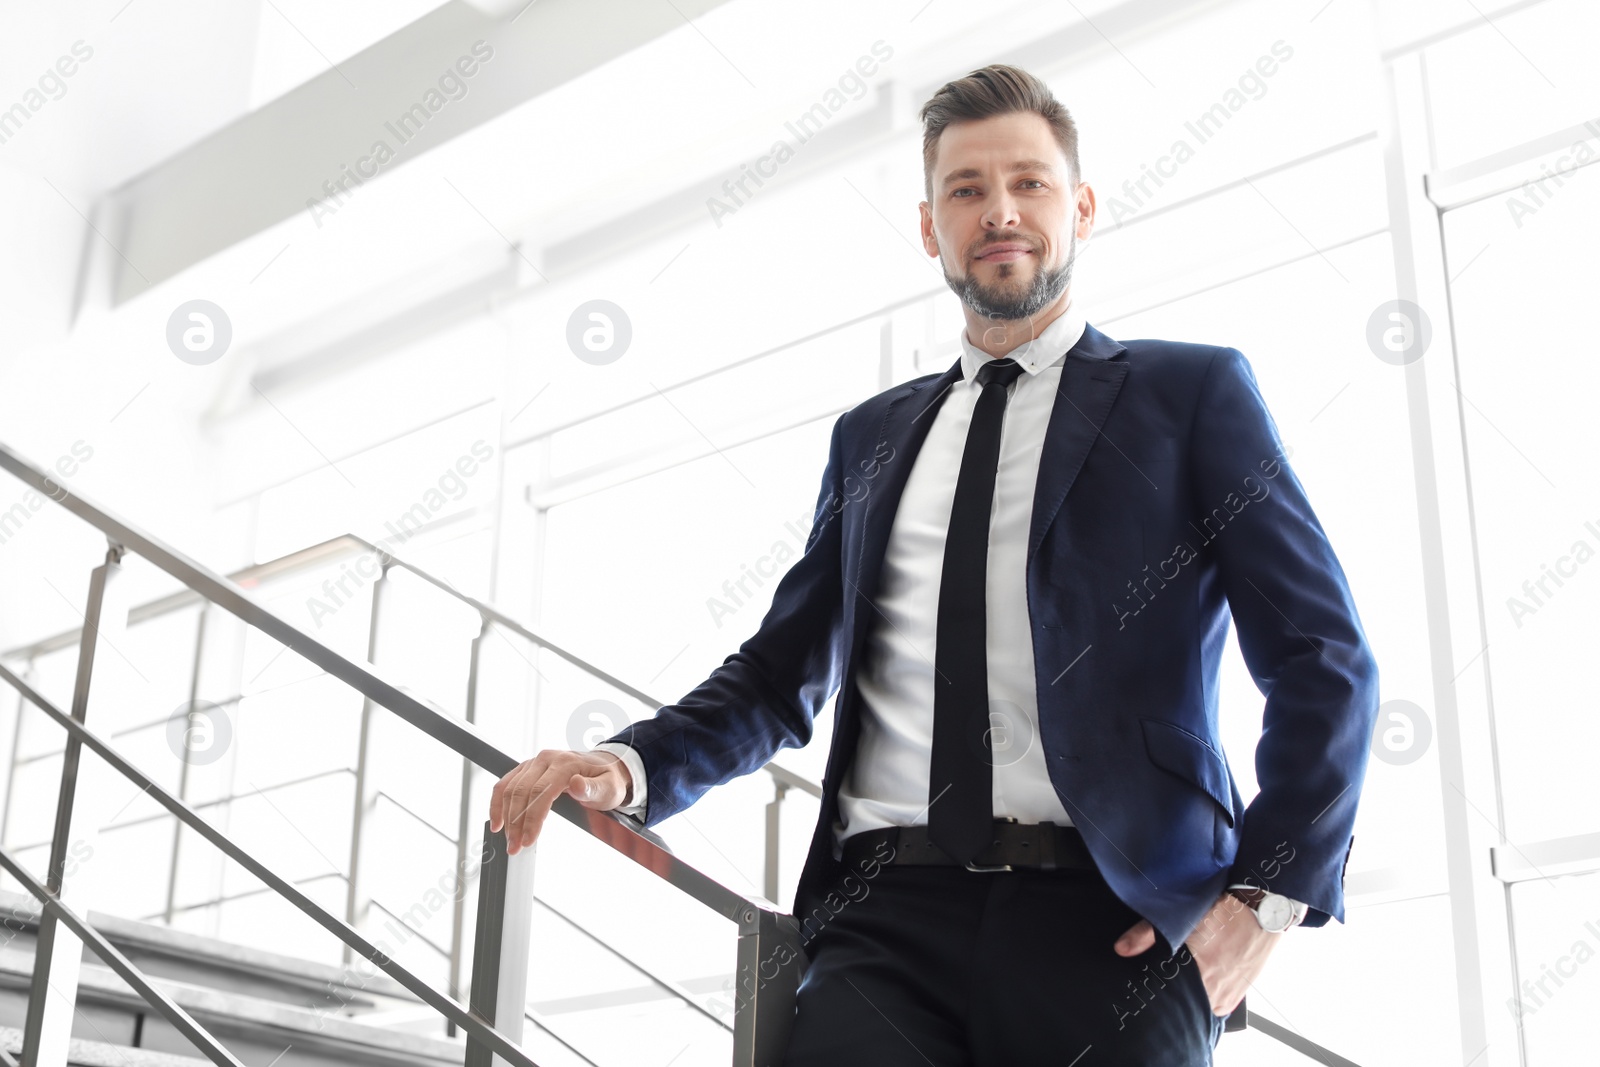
point(1002, 212)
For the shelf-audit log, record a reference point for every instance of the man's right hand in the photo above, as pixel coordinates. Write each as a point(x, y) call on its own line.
point(523, 798)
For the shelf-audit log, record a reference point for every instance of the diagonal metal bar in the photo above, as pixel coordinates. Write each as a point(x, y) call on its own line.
point(1300, 1044)
point(666, 985)
point(381, 795)
point(464, 1017)
point(563, 1042)
point(181, 1020)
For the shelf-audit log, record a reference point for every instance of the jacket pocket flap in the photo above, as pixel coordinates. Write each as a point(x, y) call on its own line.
point(1174, 749)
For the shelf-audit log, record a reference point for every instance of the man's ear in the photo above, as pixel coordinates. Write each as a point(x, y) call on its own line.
point(1084, 213)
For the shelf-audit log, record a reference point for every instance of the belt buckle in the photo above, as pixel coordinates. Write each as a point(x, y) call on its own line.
point(997, 867)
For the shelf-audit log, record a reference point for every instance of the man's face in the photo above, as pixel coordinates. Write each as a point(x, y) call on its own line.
point(1005, 218)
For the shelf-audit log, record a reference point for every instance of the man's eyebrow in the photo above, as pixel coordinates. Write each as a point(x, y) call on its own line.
point(968, 173)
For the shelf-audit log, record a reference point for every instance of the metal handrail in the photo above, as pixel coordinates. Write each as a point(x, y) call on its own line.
point(759, 925)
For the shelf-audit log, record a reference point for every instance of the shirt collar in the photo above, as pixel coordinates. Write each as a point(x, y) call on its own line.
point(1044, 351)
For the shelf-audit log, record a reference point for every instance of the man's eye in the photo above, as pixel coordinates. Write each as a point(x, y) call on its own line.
point(957, 194)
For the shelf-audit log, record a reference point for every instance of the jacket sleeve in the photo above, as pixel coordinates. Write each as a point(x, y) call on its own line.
point(764, 696)
point(1301, 639)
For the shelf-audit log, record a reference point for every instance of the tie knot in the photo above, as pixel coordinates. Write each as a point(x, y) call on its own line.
point(1004, 371)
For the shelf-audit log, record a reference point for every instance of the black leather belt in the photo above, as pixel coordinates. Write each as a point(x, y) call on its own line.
point(1043, 846)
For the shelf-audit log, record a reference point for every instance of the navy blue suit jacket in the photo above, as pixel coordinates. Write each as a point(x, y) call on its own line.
point(1164, 504)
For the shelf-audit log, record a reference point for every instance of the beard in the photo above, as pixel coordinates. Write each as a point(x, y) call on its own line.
point(1005, 300)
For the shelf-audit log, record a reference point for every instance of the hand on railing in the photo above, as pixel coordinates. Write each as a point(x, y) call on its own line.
point(523, 798)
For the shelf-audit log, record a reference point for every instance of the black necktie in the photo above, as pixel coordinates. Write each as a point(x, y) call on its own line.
point(960, 785)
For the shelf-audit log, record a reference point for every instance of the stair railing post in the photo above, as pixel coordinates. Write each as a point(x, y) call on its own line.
point(502, 944)
point(59, 952)
point(769, 880)
point(366, 790)
point(16, 748)
point(770, 966)
point(463, 815)
point(183, 768)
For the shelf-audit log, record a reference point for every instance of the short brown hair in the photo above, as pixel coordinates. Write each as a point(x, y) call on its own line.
point(997, 89)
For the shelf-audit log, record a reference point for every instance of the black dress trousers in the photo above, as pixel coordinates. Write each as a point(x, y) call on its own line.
point(942, 966)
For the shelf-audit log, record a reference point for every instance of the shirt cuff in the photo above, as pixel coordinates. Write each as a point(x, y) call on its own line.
point(635, 766)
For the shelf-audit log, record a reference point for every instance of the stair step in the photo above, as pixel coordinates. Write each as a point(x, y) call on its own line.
point(161, 952)
point(268, 1004)
point(242, 1023)
point(100, 1054)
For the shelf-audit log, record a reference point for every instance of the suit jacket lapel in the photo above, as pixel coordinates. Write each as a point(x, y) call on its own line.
point(905, 426)
point(1091, 377)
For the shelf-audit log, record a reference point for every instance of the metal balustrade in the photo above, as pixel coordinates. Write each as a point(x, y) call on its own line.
point(492, 1019)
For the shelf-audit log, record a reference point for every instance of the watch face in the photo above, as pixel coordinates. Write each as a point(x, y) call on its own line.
point(1275, 912)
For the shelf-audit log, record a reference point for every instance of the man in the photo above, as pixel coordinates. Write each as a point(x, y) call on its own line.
point(1023, 611)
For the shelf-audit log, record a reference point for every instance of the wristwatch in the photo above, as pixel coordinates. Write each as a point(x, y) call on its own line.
point(1274, 911)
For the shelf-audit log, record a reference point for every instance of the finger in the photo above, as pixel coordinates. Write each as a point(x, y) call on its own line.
point(518, 798)
point(611, 782)
point(536, 800)
point(583, 788)
point(596, 785)
point(505, 791)
point(1136, 939)
point(497, 802)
